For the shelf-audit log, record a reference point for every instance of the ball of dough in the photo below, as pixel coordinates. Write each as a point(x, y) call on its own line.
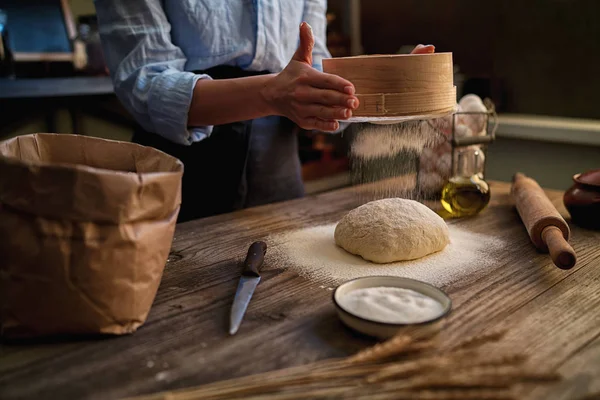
point(391, 230)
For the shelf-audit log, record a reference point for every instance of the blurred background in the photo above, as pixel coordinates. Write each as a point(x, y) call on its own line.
point(537, 60)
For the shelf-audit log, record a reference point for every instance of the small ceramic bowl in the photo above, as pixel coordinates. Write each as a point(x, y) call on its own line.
point(582, 200)
point(384, 330)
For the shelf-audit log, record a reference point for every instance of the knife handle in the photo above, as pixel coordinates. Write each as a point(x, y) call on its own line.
point(254, 259)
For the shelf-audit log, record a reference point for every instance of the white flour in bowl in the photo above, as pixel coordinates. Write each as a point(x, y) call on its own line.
point(391, 305)
point(313, 254)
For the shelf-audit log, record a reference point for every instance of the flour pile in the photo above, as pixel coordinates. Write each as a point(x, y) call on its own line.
point(313, 254)
point(391, 230)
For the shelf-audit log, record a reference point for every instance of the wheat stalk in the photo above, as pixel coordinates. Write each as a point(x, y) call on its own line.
point(407, 368)
point(478, 394)
point(275, 378)
point(303, 394)
point(459, 373)
point(395, 346)
point(479, 340)
point(420, 346)
point(476, 377)
point(505, 359)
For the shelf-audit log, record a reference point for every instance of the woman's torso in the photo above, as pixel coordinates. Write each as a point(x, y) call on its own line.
point(255, 35)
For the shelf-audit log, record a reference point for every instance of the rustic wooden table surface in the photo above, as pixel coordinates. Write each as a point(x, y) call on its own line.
point(551, 315)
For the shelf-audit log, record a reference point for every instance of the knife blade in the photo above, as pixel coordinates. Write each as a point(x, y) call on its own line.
point(248, 282)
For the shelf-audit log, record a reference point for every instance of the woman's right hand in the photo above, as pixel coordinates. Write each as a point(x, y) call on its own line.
point(310, 98)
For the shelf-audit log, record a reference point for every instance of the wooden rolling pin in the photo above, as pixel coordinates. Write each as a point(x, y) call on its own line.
point(548, 231)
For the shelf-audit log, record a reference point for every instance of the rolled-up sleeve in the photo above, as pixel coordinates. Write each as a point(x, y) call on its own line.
point(147, 69)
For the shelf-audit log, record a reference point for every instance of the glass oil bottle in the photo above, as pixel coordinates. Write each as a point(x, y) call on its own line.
point(466, 193)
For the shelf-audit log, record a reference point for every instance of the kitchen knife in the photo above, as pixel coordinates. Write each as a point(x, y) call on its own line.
point(248, 282)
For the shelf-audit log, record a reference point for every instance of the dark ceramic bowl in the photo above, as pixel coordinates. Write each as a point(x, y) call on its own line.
point(384, 330)
point(582, 200)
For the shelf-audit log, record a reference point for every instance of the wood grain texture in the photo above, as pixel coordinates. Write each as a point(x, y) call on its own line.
point(550, 315)
point(536, 210)
point(547, 229)
point(398, 85)
point(399, 73)
point(399, 104)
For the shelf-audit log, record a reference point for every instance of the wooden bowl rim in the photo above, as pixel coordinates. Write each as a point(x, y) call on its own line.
point(373, 56)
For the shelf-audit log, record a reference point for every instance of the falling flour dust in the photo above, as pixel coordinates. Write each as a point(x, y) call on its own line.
point(381, 141)
point(313, 254)
point(387, 155)
point(382, 153)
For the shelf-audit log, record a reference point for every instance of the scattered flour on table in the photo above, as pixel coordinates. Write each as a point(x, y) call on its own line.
point(313, 254)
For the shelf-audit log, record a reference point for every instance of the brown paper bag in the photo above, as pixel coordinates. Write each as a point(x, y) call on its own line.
point(86, 226)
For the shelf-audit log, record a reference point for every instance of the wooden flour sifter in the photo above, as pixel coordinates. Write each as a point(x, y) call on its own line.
point(548, 231)
point(394, 88)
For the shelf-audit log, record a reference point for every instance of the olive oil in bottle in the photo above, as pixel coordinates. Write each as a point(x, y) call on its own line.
point(466, 193)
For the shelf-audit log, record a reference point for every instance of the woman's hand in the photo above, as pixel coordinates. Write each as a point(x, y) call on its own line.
point(312, 99)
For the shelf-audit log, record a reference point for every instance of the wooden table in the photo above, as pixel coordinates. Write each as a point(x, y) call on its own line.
point(551, 315)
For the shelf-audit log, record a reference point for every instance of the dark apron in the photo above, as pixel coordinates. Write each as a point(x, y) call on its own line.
point(240, 165)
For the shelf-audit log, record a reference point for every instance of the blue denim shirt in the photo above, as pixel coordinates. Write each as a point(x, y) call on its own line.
point(151, 46)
